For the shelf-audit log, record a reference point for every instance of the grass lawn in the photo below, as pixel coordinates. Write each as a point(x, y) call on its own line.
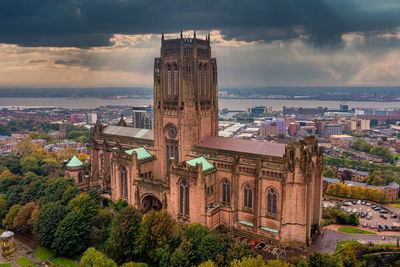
point(5, 264)
point(44, 253)
point(24, 262)
point(352, 230)
point(341, 244)
point(64, 261)
point(395, 205)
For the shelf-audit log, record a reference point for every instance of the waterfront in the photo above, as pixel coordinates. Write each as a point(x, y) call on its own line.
point(231, 104)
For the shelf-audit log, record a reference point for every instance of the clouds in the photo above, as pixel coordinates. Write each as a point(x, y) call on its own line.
point(92, 23)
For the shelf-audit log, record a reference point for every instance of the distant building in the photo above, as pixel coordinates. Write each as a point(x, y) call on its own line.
point(77, 118)
point(91, 118)
point(342, 140)
point(333, 129)
point(258, 111)
point(303, 111)
point(272, 128)
point(142, 118)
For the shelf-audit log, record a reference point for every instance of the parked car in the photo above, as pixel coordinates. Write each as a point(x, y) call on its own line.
point(358, 213)
point(363, 214)
point(260, 245)
point(368, 217)
point(368, 204)
point(373, 206)
point(381, 227)
point(354, 210)
point(372, 226)
point(384, 211)
point(395, 228)
point(345, 204)
point(387, 227)
point(324, 205)
point(393, 216)
point(359, 202)
point(253, 243)
point(383, 216)
point(349, 210)
point(363, 203)
point(365, 225)
point(354, 202)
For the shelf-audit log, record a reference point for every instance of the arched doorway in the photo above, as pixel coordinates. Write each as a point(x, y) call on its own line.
point(150, 203)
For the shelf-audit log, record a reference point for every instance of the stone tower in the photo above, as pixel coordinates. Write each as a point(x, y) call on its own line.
point(185, 98)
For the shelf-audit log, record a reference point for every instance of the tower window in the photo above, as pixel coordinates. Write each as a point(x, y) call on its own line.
point(205, 81)
point(248, 197)
point(184, 198)
point(80, 177)
point(124, 182)
point(176, 81)
point(271, 202)
point(226, 191)
point(169, 81)
point(200, 71)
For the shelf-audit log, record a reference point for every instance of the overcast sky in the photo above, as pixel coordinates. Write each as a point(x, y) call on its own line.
point(90, 43)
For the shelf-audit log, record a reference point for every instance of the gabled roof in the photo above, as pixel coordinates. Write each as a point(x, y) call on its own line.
point(244, 146)
point(205, 163)
point(74, 162)
point(141, 152)
point(129, 132)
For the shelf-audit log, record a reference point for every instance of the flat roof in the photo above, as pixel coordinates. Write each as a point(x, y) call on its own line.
point(244, 146)
point(129, 132)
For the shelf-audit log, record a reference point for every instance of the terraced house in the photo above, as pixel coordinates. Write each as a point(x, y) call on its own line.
point(262, 188)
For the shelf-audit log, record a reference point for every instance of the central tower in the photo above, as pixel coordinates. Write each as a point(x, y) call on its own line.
point(185, 97)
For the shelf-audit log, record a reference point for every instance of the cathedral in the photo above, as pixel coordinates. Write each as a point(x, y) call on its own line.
point(264, 189)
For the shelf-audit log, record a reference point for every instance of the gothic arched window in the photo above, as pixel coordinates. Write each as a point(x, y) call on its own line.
point(176, 80)
point(248, 197)
point(226, 191)
point(169, 81)
point(271, 202)
point(205, 81)
point(200, 81)
point(124, 182)
point(80, 177)
point(184, 198)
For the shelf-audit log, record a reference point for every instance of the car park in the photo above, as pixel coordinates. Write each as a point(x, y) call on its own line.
point(383, 216)
point(260, 245)
point(253, 243)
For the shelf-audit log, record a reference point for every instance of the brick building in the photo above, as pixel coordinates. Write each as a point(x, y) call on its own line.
point(266, 189)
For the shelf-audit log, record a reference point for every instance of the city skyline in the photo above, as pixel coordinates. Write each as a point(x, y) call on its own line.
point(263, 43)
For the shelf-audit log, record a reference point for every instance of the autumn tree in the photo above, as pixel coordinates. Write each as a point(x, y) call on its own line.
point(8, 221)
point(25, 219)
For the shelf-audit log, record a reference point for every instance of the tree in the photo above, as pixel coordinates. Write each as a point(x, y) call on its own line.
point(93, 258)
point(56, 189)
point(30, 164)
point(123, 242)
point(47, 221)
point(8, 222)
point(328, 172)
point(317, 259)
point(72, 234)
point(208, 263)
point(84, 204)
point(3, 207)
point(101, 228)
point(249, 262)
point(183, 255)
point(25, 147)
point(25, 219)
point(158, 230)
point(383, 152)
point(6, 174)
point(134, 264)
point(353, 219)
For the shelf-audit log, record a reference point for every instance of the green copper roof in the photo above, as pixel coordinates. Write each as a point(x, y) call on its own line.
point(245, 223)
point(269, 229)
point(74, 162)
point(206, 164)
point(141, 152)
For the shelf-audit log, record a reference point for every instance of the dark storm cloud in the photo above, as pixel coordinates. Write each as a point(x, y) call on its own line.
point(89, 23)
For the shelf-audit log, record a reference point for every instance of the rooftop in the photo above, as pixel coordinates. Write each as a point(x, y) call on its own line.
point(129, 132)
point(141, 153)
point(207, 166)
point(74, 162)
point(244, 146)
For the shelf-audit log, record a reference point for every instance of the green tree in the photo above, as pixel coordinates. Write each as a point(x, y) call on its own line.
point(30, 164)
point(101, 228)
point(8, 222)
point(72, 234)
point(47, 221)
point(93, 258)
point(353, 219)
point(134, 264)
point(317, 259)
point(123, 243)
point(328, 172)
point(157, 231)
point(183, 255)
point(208, 263)
point(3, 207)
point(56, 189)
point(249, 262)
point(383, 152)
point(84, 204)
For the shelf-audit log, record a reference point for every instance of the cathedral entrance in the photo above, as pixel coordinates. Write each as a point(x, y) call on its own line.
point(150, 203)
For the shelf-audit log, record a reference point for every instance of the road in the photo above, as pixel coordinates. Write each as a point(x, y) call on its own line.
point(327, 242)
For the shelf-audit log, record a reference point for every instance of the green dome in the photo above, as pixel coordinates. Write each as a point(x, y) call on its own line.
point(74, 162)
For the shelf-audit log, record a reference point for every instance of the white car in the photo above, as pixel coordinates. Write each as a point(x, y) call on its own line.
point(359, 202)
point(354, 210)
point(368, 204)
